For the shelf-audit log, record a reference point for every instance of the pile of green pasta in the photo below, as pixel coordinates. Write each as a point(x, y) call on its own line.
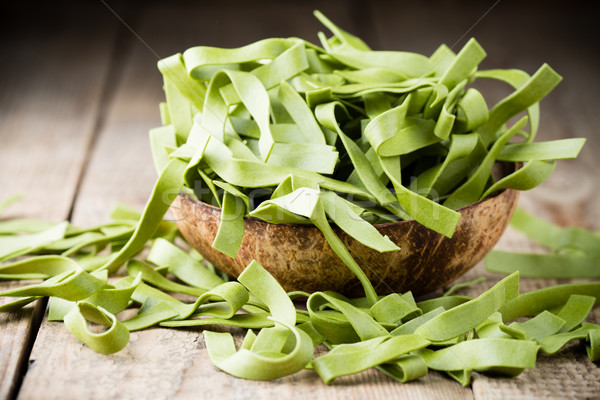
point(290, 132)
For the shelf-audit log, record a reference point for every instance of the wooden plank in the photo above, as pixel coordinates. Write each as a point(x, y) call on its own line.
point(161, 363)
point(17, 330)
point(50, 97)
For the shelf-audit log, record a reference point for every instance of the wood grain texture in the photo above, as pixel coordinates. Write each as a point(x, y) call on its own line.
point(15, 331)
point(50, 90)
point(166, 363)
point(49, 100)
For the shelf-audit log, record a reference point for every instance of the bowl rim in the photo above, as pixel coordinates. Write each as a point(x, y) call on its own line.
point(516, 166)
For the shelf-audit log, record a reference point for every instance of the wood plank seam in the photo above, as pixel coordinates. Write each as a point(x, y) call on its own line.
point(23, 362)
point(115, 69)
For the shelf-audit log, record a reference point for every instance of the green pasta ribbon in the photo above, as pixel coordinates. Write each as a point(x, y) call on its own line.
point(507, 356)
point(464, 317)
point(8, 201)
point(263, 357)
point(110, 341)
point(169, 184)
point(347, 359)
point(575, 251)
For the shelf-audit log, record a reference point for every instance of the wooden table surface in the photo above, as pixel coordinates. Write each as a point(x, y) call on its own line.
point(79, 90)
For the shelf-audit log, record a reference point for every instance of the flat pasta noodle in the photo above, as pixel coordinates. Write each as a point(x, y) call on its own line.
point(8, 201)
point(575, 251)
point(263, 361)
point(110, 341)
point(349, 359)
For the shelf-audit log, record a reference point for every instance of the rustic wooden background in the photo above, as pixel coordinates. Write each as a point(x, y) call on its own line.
point(79, 90)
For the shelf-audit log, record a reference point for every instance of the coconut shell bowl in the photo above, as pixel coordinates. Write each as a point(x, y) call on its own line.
point(300, 258)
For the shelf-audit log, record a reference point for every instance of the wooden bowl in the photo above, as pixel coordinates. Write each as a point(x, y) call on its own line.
point(300, 258)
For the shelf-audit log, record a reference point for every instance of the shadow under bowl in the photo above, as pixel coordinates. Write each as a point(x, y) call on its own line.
point(300, 258)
